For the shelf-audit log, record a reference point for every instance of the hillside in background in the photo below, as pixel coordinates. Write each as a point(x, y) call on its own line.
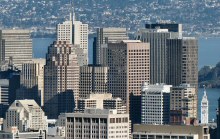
point(198, 16)
point(210, 76)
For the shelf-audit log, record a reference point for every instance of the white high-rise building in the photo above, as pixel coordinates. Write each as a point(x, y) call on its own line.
point(25, 115)
point(155, 104)
point(74, 32)
point(96, 124)
point(204, 109)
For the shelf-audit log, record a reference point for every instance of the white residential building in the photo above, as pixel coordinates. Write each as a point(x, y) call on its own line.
point(25, 115)
point(155, 104)
point(97, 124)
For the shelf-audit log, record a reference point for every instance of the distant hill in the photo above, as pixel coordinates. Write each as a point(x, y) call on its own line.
point(210, 76)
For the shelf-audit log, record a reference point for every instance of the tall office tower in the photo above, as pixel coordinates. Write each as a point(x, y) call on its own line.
point(183, 98)
point(158, 64)
point(97, 124)
point(26, 115)
point(218, 119)
point(129, 67)
point(155, 104)
point(104, 36)
point(18, 46)
point(176, 29)
point(4, 97)
point(74, 32)
point(182, 61)
point(93, 79)
point(32, 81)
point(101, 101)
point(204, 109)
point(61, 79)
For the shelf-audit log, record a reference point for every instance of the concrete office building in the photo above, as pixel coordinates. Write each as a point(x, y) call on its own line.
point(158, 49)
point(183, 98)
point(23, 135)
point(101, 101)
point(74, 32)
point(176, 29)
point(155, 104)
point(17, 46)
point(105, 36)
point(26, 115)
point(97, 124)
point(32, 81)
point(182, 61)
point(61, 79)
point(170, 132)
point(129, 67)
point(93, 79)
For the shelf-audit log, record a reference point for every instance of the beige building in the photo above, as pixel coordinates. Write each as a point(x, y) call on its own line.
point(97, 124)
point(184, 98)
point(74, 32)
point(17, 45)
point(170, 132)
point(93, 79)
point(104, 36)
point(61, 79)
point(101, 101)
point(32, 81)
point(25, 115)
point(129, 67)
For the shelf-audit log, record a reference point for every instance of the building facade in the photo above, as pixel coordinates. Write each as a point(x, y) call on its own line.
point(25, 115)
point(101, 101)
point(97, 124)
point(61, 79)
point(104, 36)
point(17, 46)
point(170, 132)
point(182, 61)
point(129, 67)
point(155, 104)
point(184, 98)
point(93, 79)
point(32, 81)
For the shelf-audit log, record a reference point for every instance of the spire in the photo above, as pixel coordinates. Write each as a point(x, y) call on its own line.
point(204, 91)
point(72, 13)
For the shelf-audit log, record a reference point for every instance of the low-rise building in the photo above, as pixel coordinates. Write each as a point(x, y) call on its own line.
point(170, 132)
point(26, 115)
point(97, 124)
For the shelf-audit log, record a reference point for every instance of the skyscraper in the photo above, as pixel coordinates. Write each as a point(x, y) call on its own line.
point(61, 79)
point(18, 46)
point(32, 81)
point(204, 109)
point(182, 61)
point(155, 104)
point(218, 119)
point(157, 35)
point(129, 67)
point(74, 32)
point(104, 36)
point(2, 49)
point(93, 79)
